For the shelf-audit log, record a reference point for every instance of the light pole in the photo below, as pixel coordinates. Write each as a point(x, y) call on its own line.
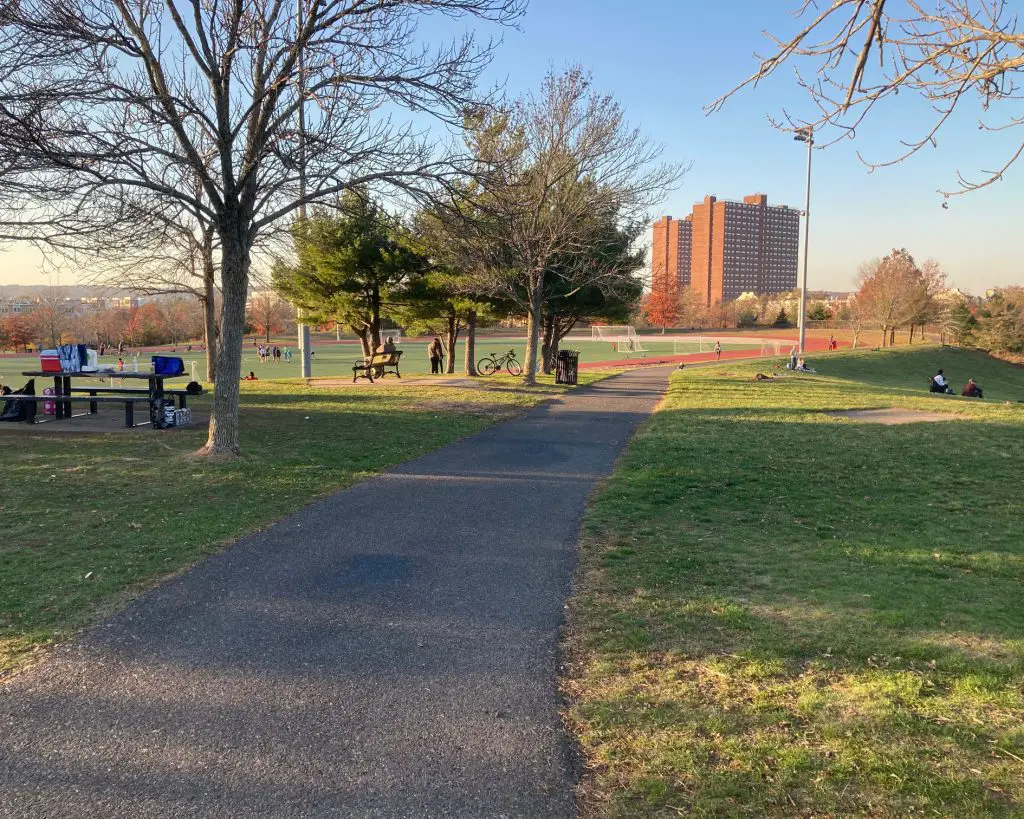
point(805, 134)
point(305, 352)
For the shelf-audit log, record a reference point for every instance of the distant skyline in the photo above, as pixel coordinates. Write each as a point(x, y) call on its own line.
point(669, 58)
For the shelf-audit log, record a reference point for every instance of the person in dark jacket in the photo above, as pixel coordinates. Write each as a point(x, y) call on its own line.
point(435, 352)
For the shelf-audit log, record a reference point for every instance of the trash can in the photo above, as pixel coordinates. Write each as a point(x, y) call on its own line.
point(567, 367)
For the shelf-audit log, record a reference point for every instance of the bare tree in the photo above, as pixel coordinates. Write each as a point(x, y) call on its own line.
point(892, 292)
point(270, 106)
point(269, 313)
point(558, 160)
point(862, 52)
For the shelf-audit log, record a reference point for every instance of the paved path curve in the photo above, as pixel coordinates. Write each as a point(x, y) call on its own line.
point(389, 651)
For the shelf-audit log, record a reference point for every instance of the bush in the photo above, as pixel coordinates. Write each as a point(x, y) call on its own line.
point(782, 319)
point(746, 318)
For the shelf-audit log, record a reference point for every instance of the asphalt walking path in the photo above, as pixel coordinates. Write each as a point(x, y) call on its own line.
point(389, 651)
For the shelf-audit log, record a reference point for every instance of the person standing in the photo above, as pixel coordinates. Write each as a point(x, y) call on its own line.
point(792, 357)
point(435, 352)
point(718, 350)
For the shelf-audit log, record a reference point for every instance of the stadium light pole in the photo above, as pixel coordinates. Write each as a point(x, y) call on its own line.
point(305, 356)
point(805, 135)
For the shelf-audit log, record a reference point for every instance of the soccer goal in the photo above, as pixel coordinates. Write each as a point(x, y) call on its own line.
point(629, 344)
point(611, 332)
point(394, 335)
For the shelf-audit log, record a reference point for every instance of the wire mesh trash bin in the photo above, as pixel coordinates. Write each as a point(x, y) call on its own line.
point(567, 367)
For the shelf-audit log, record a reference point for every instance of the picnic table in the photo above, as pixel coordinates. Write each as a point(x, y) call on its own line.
point(155, 390)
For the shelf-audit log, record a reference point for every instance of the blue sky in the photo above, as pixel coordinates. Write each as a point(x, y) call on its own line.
point(666, 59)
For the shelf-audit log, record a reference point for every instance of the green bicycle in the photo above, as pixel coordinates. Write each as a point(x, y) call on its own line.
point(490, 365)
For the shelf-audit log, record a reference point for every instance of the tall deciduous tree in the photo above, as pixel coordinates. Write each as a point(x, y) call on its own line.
point(106, 101)
point(269, 313)
point(612, 298)
point(555, 161)
point(661, 308)
point(852, 56)
point(891, 292)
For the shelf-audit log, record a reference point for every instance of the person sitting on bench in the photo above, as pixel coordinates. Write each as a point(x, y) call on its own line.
point(972, 390)
point(940, 384)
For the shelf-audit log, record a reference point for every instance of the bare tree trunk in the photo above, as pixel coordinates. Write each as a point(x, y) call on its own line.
point(209, 307)
point(911, 334)
point(556, 342)
point(547, 358)
point(223, 436)
point(451, 337)
point(885, 334)
point(533, 324)
point(374, 322)
point(470, 345)
point(363, 333)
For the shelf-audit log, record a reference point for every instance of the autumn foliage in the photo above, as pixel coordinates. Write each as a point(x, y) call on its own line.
point(661, 308)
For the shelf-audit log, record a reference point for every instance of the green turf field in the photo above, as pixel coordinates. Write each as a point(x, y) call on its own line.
point(786, 613)
point(332, 359)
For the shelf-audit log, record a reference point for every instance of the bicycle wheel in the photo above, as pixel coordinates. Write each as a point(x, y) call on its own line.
point(513, 367)
point(485, 366)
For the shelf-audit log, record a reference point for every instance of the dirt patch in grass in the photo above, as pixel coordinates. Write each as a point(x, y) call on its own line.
point(892, 415)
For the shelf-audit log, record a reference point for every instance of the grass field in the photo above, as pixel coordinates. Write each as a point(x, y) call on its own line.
point(784, 613)
point(332, 359)
point(91, 519)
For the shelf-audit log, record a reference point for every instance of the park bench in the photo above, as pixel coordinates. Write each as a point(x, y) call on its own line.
point(129, 402)
point(181, 395)
point(376, 364)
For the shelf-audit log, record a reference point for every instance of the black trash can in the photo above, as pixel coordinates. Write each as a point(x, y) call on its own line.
point(567, 367)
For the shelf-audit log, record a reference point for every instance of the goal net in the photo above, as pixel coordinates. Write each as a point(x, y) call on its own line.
point(611, 332)
point(629, 344)
point(394, 335)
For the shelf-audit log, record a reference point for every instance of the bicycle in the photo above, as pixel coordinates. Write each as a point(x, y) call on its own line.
point(490, 365)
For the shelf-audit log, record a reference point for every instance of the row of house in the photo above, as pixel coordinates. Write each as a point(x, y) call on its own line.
point(72, 307)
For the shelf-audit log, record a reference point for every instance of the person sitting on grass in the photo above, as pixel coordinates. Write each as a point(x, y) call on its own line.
point(801, 367)
point(972, 390)
point(251, 376)
point(940, 384)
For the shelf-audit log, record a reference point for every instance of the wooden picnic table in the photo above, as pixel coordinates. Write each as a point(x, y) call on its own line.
point(62, 385)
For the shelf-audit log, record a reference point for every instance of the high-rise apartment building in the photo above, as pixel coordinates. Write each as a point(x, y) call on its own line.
point(670, 253)
point(724, 249)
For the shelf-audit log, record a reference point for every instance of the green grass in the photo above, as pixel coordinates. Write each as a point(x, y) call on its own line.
point(91, 519)
point(784, 613)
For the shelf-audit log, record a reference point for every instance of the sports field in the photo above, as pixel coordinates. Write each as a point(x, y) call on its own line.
point(333, 359)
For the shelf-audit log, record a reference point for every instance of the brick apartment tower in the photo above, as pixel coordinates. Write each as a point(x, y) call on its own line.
point(733, 248)
point(670, 254)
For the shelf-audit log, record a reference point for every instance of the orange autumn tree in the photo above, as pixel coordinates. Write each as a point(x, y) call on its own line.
point(661, 308)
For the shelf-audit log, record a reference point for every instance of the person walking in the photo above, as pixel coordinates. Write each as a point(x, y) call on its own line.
point(718, 350)
point(435, 352)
